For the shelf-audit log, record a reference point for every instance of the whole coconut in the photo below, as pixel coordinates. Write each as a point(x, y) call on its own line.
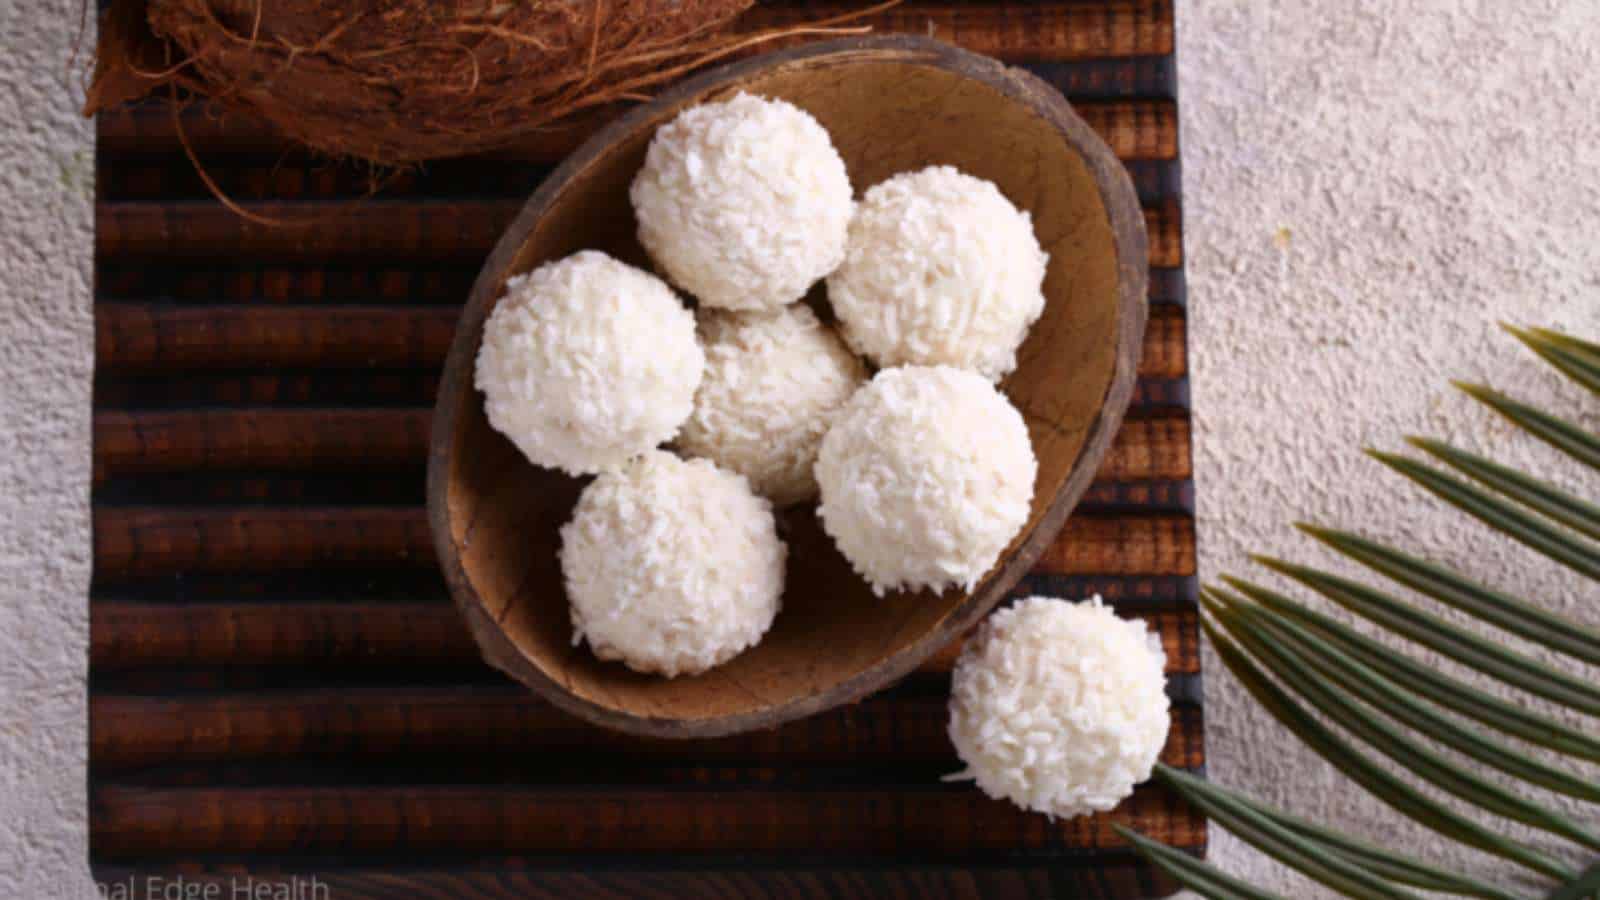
point(399, 81)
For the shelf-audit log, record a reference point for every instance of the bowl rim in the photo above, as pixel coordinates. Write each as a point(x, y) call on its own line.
point(1127, 223)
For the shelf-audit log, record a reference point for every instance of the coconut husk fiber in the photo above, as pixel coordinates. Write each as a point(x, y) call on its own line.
point(396, 82)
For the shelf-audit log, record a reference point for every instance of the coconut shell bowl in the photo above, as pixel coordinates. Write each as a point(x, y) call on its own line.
point(891, 104)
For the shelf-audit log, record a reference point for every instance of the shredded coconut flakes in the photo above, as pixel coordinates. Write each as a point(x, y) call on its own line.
point(1060, 708)
point(587, 362)
point(745, 203)
point(774, 383)
point(926, 476)
point(940, 269)
point(671, 566)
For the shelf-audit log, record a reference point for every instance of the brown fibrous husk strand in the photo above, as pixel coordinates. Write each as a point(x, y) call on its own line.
point(396, 82)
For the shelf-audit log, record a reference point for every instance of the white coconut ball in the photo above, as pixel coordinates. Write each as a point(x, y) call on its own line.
point(672, 566)
point(1059, 707)
point(774, 382)
point(926, 476)
point(940, 269)
point(744, 204)
point(587, 362)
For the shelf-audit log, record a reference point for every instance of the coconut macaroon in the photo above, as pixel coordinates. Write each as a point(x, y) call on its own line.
point(926, 476)
point(671, 566)
point(940, 269)
point(587, 362)
point(745, 203)
point(773, 383)
point(1060, 708)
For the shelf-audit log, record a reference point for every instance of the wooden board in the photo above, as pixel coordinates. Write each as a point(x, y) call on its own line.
point(279, 684)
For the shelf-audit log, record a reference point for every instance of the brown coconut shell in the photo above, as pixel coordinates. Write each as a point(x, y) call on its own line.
point(401, 81)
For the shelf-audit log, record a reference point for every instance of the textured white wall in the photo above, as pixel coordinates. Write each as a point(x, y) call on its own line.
point(1371, 185)
point(46, 346)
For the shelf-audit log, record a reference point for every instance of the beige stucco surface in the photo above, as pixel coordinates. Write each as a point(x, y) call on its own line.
point(46, 349)
point(1370, 186)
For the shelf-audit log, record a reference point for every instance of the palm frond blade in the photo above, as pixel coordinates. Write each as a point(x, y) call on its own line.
point(1450, 693)
point(1383, 785)
point(1516, 616)
point(1578, 555)
point(1258, 632)
point(1430, 631)
point(1572, 511)
point(1572, 357)
point(1564, 436)
point(1202, 878)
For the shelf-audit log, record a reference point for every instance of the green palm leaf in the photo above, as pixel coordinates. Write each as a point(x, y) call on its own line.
point(1576, 359)
point(1393, 866)
point(1564, 436)
point(1584, 886)
point(1572, 342)
point(1516, 616)
point(1572, 511)
point(1366, 856)
point(1283, 844)
point(1435, 633)
point(1452, 694)
point(1393, 700)
point(1330, 684)
point(1388, 864)
point(1379, 782)
point(1256, 632)
point(1552, 542)
point(1202, 878)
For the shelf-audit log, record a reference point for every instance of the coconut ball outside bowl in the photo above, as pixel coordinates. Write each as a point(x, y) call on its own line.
point(889, 105)
point(1059, 707)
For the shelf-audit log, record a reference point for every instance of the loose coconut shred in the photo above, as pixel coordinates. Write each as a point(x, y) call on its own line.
point(1059, 707)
